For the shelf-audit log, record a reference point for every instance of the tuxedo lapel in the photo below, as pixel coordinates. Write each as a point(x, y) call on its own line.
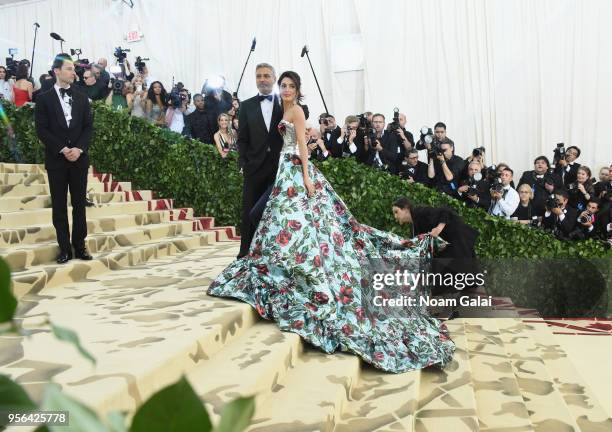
point(259, 116)
point(277, 114)
point(76, 106)
point(59, 111)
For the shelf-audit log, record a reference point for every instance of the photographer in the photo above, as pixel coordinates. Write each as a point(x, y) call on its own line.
point(101, 83)
point(566, 166)
point(527, 212)
point(444, 167)
point(104, 77)
point(475, 190)
point(559, 217)
point(542, 181)
point(121, 95)
point(90, 86)
point(478, 156)
point(504, 198)
point(589, 225)
point(396, 142)
point(6, 85)
point(331, 134)
point(178, 108)
point(374, 154)
point(413, 170)
point(604, 183)
point(316, 145)
point(347, 144)
point(197, 123)
point(581, 191)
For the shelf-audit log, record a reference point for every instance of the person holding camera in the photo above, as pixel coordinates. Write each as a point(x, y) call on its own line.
point(413, 170)
point(139, 97)
point(396, 142)
point(156, 104)
point(559, 217)
point(475, 190)
point(504, 198)
point(374, 152)
point(444, 167)
point(90, 86)
point(178, 108)
point(331, 134)
point(6, 85)
point(581, 191)
point(104, 77)
point(316, 145)
point(347, 144)
point(567, 167)
point(197, 124)
point(542, 180)
point(589, 225)
point(118, 96)
point(527, 213)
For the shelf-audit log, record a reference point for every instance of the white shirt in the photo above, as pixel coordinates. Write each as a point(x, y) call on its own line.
point(507, 205)
point(6, 90)
point(178, 121)
point(66, 103)
point(266, 109)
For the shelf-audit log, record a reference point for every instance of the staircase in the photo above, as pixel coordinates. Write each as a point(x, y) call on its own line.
point(140, 308)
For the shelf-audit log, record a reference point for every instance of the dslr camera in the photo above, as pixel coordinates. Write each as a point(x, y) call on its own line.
point(497, 185)
point(559, 153)
point(585, 218)
point(175, 98)
point(551, 202)
point(121, 54)
point(140, 64)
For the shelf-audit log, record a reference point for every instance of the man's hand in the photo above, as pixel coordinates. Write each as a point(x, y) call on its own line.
point(549, 187)
point(463, 189)
point(312, 146)
point(587, 224)
point(474, 198)
point(400, 132)
point(410, 180)
point(72, 154)
point(440, 157)
point(556, 211)
point(378, 147)
point(562, 162)
point(352, 135)
point(496, 195)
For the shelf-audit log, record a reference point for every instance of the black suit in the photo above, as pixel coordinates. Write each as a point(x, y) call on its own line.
point(540, 194)
point(561, 229)
point(417, 173)
point(567, 175)
point(55, 134)
point(259, 151)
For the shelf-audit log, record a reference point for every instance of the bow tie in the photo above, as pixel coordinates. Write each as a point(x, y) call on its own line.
point(268, 97)
point(540, 176)
point(66, 91)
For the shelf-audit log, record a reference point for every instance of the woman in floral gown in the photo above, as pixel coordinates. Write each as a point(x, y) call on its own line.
point(305, 268)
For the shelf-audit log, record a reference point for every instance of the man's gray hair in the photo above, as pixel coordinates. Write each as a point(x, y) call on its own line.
point(266, 65)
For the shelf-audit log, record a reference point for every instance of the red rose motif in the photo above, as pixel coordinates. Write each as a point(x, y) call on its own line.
point(359, 244)
point(359, 312)
point(275, 191)
point(262, 269)
point(321, 297)
point(443, 337)
point(300, 258)
point(317, 261)
point(298, 325)
point(294, 225)
point(324, 248)
point(338, 239)
point(378, 356)
point(318, 185)
point(339, 208)
point(316, 210)
point(346, 277)
point(311, 306)
point(346, 300)
point(282, 128)
point(347, 329)
point(283, 237)
point(295, 160)
point(291, 192)
point(260, 310)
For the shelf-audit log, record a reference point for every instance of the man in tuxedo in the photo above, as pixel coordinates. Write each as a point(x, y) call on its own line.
point(560, 219)
point(542, 180)
point(567, 167)
point(413, 170)
point(259, 146)
point(64, 124)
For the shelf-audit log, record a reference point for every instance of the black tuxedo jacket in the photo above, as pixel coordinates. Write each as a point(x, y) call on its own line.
point(254, 140)
point(55, 134)
point(567, 176)
point(540, 194)
point(561, 228)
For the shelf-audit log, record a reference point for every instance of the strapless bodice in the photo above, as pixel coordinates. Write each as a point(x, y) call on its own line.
point(287, 130)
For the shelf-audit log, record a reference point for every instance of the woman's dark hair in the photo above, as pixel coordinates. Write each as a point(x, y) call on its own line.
point(5, 72)
point(403, 203)
point(163, 95)
point(293, 76)
point(22, 72)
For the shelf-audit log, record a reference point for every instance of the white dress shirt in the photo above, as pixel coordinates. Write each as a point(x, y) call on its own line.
point(66, 103)
point(266, 109)
point(507, 205)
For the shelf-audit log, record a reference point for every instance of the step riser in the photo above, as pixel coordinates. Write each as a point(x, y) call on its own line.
point(43, 216)
point(12, 204)
point(23, 259)
point(75, 270)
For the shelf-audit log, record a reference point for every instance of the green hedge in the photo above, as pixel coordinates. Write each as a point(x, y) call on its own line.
point(195, 176)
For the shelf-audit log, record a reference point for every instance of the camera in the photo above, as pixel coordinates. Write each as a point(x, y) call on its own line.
point(365, 128)
point(140, 64)
point(478, 151)
point(427, 137)
point(491, 173)
point(551, 202)
point(395, 125)
point(117, 86)
point(12, 65)
point(585, 218)
point(473, 184)
point(559, 153)
point(497, 185)
point(121, 54)
point(534, 222)
point(324, 121)
point(175, 98)
point(436, 149)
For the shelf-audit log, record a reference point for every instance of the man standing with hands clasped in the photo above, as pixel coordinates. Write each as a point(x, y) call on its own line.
point(64, 125)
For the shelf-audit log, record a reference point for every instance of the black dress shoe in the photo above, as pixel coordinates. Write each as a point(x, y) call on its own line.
point(64, 257)
point(82, 254)
point(89, 203)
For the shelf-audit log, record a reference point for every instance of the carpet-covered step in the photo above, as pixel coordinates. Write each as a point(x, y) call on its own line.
point(499, 402)
point(584, 407)
point(36, 278)
point(181, 214)
point(42, 178)
point(11, 204)
point(254, 364)
point(24, 256)
point(146, 326)
point(21, 190)
point(7, 167)
point(41, 216)
point(42, 233)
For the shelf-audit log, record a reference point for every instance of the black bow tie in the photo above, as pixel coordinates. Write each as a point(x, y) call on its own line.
point(66, 91)
point(268, 97)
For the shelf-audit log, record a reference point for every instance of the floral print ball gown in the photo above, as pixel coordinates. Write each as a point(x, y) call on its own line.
point(305, 271)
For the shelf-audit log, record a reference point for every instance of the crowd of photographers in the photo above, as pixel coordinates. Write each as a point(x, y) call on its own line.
point(559, 196)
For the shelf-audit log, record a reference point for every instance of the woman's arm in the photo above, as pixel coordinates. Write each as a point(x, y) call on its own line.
point(130, 101)
point(299, 121)
point(218, 144)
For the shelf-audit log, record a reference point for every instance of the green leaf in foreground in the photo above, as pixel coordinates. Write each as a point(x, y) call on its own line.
point(81, 417)
point(236, 415)
point(8, 302)
point(13, 397)
point(175, 408)
point(68, 335)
